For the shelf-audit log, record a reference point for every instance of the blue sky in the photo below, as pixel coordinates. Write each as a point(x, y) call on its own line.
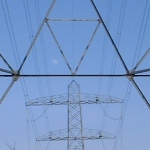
point(128, 22)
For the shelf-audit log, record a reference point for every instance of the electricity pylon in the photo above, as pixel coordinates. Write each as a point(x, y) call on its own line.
point(75, 134)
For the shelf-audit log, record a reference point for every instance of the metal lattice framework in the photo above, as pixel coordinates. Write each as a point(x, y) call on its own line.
point(130, 74)
point(75, 134)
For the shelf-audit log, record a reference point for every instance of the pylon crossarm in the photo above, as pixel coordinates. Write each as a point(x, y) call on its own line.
point(63, 100)
point(88, 134)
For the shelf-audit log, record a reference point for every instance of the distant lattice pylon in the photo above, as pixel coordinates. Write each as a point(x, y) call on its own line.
point(75, 134)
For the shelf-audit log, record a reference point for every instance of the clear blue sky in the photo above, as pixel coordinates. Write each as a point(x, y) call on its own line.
point(128, 22)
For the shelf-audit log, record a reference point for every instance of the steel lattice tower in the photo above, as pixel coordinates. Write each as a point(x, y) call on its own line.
point(75, 127)
point(75, 134)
